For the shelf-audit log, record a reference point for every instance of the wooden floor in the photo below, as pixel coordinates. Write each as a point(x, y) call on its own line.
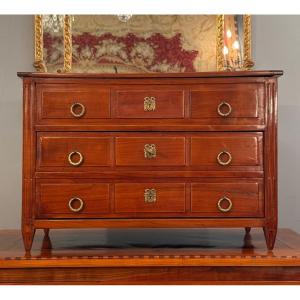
point(144, 256)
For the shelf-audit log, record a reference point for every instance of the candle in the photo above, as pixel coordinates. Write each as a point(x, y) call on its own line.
point(228, 33)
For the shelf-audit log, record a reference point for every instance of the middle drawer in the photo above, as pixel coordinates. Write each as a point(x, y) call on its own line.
point(191, 151)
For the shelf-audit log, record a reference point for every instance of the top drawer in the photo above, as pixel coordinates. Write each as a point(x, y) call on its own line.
point(146, 105)
point(77, 102)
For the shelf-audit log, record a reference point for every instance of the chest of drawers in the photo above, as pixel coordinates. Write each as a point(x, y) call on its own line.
point(150, 150)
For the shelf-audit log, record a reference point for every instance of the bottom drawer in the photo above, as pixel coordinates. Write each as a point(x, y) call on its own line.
point(150, 197)
point(239, 199)
point(211, 198)
point(72, 200)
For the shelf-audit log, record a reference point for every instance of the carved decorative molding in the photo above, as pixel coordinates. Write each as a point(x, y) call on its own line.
point(248, 63)
point(220, 42)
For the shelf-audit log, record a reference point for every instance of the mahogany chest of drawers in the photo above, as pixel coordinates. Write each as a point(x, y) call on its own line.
point(150, 150)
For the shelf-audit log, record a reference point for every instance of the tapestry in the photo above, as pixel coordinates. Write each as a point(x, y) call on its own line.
point(145, 43)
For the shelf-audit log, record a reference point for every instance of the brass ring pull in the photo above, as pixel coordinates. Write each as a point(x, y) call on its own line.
point(223, 105)
point(73, 108)
point(226, 209)
point(79, 208)
point(222, 162)
point(75, 163)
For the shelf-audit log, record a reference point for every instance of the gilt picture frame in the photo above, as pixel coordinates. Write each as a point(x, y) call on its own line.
point(67, 48)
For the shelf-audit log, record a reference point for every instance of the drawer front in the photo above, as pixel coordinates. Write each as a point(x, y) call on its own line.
point(149, 197)
point(150, 103)
point(75, 102)
point(81, 151)
point(227, 199)
point(197, 105)
point(72, 200)
point(150, 151)
point(225, 150)
point(73, 151)
point(228, 103)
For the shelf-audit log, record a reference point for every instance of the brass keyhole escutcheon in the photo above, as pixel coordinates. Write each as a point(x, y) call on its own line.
point(149, 103)
point(150, 195)
point(150, 151)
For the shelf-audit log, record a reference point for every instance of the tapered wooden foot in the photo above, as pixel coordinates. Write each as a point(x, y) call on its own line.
point(270, 236)
point(247, 242)
point(247, 229)
point(46, 240)
point(28, 235)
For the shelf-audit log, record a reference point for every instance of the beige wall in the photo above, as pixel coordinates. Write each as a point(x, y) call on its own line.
point(276, 46)
point(16, 54)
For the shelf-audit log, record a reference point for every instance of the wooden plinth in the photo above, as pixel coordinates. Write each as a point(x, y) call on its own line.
point(144, 256)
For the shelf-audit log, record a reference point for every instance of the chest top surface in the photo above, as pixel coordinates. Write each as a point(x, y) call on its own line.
point(257, 73)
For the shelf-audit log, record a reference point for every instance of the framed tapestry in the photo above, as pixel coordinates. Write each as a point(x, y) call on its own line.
point(142, 43)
